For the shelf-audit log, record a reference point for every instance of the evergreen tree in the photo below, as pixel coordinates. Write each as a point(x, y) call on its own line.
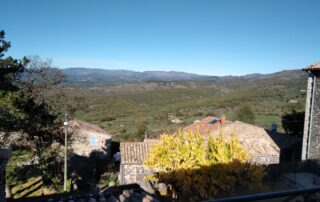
point(10, 97)
point(27, 105)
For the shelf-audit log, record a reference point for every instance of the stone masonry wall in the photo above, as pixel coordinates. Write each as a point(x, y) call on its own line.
point(314, 149)
point(132, 174)
point(85, 143)
point(304, 152)
point(135, 173)
point(266, 159)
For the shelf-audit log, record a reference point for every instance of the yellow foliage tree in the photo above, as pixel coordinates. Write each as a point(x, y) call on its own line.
point(198, 168)
point(180, 150)
point(223, 151)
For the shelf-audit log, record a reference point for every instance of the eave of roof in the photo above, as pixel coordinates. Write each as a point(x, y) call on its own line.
point(81, 125)
point(313, 67)
point(134, 152)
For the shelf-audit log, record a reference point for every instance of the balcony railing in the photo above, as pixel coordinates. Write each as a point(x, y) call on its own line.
point(308, 194)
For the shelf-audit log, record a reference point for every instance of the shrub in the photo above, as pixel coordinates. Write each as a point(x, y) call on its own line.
point(245, 114)
point(198, 169)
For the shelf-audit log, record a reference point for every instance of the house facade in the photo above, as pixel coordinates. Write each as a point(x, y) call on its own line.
point(311, 133)
point(88, 140)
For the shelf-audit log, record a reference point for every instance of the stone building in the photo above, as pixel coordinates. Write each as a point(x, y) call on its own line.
point(89, 139)
point(311, 133)
point(132, 169)
point(265, 146)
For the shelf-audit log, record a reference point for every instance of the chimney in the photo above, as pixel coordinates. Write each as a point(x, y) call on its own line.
point(223, 119)
point(274, 127)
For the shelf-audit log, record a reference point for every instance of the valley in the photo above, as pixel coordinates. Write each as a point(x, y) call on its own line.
point(121, 107)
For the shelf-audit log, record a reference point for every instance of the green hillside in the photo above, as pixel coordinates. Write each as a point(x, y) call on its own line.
point(121, 108)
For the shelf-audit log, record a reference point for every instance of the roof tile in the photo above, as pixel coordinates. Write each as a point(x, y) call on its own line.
point(134, 152)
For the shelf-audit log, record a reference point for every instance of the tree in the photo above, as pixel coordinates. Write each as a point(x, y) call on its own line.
point(197, 168)
point(245, 114)
point(10, 69)
point(27, 88)
point(43, 83)
point(40, 84)
point(293, 123)
point(142, 130)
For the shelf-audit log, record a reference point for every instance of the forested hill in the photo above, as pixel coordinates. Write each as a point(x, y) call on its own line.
point(92, 77)
point(88, 76)
point(120, 101)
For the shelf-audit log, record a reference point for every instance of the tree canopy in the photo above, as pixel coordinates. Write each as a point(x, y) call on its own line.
point(10, 97)
point(245, 114)
point(29, 96)
point(293, 123)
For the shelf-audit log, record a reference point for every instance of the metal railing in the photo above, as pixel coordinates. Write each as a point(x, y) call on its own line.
point(290, 194)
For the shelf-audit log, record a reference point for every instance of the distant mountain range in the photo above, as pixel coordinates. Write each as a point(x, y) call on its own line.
point(89, 76)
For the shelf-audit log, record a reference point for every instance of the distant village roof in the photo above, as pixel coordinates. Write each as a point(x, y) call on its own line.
point(206, 125)
point(134, 152)
point(313, 67)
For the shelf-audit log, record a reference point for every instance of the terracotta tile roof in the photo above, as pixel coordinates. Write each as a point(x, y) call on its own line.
point(134, 152)
point(315, 66)
point(206, 125)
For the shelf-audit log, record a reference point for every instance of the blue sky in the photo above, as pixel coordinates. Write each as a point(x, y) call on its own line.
point(201, 36)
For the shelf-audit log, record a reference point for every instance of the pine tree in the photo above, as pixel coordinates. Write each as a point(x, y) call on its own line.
point(10, 97)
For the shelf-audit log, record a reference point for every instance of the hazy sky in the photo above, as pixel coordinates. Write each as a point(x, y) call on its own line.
point(201, 36)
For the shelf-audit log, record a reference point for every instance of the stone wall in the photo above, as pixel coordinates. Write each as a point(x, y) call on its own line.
point(314, 142)
point(134, 173)
point(304, 153)
point(266, 159)
point(87, 143)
